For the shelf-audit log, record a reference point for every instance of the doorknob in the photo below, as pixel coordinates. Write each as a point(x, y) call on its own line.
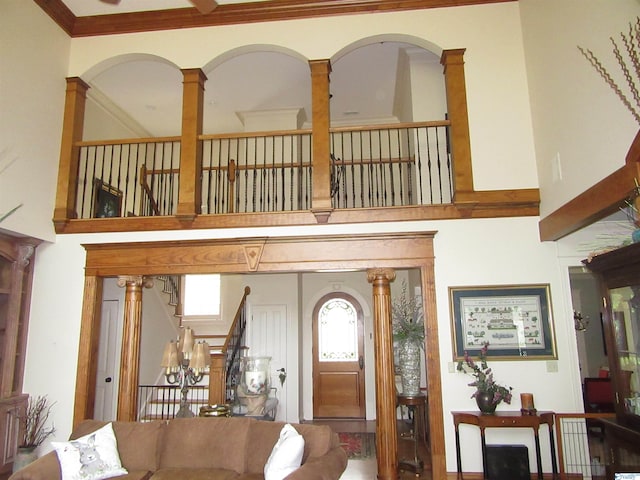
point(108, 379)
point(361, 362)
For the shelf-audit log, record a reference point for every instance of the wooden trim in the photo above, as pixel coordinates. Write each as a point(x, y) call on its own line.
point(231, 14)
point(515, 203)
point(279, 254)
point(88, 350)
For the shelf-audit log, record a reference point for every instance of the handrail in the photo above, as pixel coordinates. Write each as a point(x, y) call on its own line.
point(147, 190)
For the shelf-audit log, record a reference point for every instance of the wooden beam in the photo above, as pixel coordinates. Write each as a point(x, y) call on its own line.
point(231, 14)
point(597, 202)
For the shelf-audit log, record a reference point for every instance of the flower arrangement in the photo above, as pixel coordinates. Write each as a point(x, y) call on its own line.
point(407, 318)
point(484, 381)
point(33, 422)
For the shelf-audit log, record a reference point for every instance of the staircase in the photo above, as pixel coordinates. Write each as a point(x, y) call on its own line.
point(218, 385)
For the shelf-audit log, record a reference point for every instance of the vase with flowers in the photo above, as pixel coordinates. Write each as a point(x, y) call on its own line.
point(32, 422)
point(408, 336)
point(488, 393)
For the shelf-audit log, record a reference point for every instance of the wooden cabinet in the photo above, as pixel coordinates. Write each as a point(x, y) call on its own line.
point(619, 276)
point(16, 267)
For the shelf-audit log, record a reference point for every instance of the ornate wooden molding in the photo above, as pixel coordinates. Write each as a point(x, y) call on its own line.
point(230, 14)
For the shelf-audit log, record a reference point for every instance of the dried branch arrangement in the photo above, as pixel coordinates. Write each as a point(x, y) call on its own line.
point(629, 63)
point(33, 422)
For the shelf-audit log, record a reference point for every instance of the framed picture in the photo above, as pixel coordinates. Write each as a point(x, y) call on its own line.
point(515, 320)
point(107, 200)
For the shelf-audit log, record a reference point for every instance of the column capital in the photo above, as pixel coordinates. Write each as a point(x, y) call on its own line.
point(388, 273)
point(135, 280)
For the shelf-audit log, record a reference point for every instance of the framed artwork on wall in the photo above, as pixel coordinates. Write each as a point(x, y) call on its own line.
point(514, 319)
point(107, 201)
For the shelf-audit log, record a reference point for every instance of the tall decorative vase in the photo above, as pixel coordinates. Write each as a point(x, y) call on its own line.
point(409, 367)
point(485, 403)
point(24, 456)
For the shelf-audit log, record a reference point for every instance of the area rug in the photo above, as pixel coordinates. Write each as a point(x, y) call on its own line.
point(358, 445)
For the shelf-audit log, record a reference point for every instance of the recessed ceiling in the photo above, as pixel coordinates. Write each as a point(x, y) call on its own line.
point(83, 8)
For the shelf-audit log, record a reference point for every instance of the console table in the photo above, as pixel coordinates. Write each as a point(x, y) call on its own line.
point(505, 420)
point(416, 404)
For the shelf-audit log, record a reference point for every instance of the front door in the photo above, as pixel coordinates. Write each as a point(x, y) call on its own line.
point(338, 358)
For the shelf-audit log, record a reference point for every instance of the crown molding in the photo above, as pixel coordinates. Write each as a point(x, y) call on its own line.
point(230, 14)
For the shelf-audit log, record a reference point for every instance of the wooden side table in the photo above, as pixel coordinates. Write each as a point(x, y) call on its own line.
point(416, 404)
point(502, 420)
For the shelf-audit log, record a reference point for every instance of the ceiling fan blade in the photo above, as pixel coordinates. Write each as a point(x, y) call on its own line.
point(205, 6)
point(112, 2)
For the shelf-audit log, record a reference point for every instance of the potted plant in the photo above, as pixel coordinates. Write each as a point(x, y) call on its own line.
point(488, 393)
point(32, 422)
point(408, 334)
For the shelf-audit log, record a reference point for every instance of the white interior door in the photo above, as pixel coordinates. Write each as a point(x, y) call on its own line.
point(267, 336)
point(107, 375)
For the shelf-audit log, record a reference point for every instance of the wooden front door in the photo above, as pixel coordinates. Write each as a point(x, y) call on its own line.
point(338, 358)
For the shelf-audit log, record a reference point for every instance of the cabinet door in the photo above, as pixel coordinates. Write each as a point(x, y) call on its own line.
point(624, 331)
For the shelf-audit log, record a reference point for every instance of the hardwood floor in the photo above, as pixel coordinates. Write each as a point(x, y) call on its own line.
point(367, 468)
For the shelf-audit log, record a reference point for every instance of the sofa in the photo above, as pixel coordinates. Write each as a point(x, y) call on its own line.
point(212, 448)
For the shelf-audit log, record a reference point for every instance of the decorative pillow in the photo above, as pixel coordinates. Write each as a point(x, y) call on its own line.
point(286, 455)
point(92, 457)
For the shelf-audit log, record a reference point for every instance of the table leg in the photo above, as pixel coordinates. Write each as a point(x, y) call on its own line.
point(538, 456)
point(552, 445)
point(458, 459)
point(485, 475)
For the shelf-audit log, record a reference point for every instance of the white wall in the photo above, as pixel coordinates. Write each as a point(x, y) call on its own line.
point(576, 116)
point(32, 87)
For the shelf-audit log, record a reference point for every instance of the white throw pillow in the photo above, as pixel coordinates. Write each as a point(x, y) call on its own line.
point(92, 457)
point(286, 455)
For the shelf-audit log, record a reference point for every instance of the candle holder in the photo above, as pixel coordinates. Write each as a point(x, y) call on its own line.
point(186, 364)
point(526, 402)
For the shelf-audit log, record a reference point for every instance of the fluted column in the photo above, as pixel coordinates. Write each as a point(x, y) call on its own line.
point(130, 358)
point(386, 428)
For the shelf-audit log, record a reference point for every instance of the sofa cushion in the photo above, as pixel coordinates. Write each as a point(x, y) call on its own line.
point(91, 457)
point(195, 474)
point(264, 435)
point(138, 442)
point(286, 455)
point(206, 442)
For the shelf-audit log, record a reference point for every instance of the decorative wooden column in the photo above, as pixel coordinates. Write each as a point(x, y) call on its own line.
point(386, 428)
point(130, 358)
point(320, 119)
point(456, 87)
point(72, 128)
point(190, 193)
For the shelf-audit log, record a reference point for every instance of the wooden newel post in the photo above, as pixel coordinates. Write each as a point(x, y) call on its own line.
point(386, 428)
point(130, 358)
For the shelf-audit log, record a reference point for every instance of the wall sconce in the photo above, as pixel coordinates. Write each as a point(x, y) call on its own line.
point(579, 322)
point(185, 362)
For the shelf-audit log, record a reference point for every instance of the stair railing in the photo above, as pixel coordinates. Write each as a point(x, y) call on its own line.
point(225, 365)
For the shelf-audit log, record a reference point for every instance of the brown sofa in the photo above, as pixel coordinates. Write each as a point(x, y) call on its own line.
point(215, 448)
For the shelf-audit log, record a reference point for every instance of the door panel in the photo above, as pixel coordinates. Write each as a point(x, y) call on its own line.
point(267, 336)
point(107, 375)
point(338, 353)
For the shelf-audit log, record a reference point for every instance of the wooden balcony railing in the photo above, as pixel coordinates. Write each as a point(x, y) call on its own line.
point(404, 171)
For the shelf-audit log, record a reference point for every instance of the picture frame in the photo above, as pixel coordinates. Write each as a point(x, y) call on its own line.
point(107, 200)
point(516, 320)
